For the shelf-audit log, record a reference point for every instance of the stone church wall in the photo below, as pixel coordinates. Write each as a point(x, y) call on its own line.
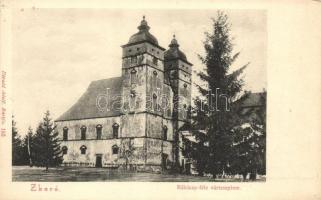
point(133, 125)
point(74, 131)
point(155, 149)
point(94, 147)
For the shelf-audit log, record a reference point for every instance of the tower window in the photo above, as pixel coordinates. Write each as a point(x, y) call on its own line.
point(133, 76)
point(155, 73)
point(98, 131)
point(165, 132)
point(155, 60)
point(83, 149)
point(140, 59)
point(129, 50)
point(185, 85)
point(173, 74)
point(154, 96)
point(65, 133)
point(134, 60)
point(132, 93)
point(115, 149)
point(155, 102)
point(115, 130)
point(83, 132)
point(138, 49)
point(64, 150)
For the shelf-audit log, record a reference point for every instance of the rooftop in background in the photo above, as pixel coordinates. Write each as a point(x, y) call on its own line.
point(252, 99)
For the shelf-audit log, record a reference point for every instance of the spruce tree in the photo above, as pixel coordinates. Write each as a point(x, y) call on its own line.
point(28, 147)
point(212, 113)
point(17, 158)
point(47, 151)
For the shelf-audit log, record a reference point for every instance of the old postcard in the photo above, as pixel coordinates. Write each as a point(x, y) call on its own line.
point(161, 100)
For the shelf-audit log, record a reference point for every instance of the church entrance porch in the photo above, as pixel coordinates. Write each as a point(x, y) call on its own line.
point(98, 160)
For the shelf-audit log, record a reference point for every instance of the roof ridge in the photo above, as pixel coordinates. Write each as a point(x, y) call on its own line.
point(106, 79)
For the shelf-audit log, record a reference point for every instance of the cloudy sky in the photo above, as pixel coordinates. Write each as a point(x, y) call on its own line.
point(58, 52)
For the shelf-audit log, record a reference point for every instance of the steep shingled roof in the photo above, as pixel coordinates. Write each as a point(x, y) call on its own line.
point(86, 108)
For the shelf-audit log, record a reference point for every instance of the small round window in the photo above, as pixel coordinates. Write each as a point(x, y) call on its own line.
point(155, 73)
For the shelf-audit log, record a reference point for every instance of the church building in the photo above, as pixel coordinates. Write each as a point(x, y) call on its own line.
point(133, 120)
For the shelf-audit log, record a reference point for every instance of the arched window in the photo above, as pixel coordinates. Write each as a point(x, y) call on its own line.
point(98, 131)
point(65, 133)
point(83, 130)
point(83, 149)
point(115, 130)
point(64, 150)
point(165, 132)
point(134, 60)
point(132, 93)
point(155, 60)
point(155, 78)
point(140, 59)
point(114, 149)
point(133, 76)
point(155, 102)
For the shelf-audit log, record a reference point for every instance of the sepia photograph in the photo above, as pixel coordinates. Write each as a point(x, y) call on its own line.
point(208, 99)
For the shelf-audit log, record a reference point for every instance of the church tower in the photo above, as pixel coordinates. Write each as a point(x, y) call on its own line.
point(144, 120)
point(178, 71)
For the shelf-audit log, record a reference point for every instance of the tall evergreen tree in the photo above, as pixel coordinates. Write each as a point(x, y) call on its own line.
point(17, 158)
point(213, 115)
point(28, 147)
point(47, 150)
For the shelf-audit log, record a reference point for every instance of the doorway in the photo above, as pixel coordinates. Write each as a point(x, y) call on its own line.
point(164, 161)
point(98, 160)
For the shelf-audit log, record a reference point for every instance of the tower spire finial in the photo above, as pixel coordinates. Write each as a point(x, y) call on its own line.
point(174, 43)
point(143, 25)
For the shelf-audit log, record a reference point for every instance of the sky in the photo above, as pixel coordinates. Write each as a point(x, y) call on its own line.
point(58, 52)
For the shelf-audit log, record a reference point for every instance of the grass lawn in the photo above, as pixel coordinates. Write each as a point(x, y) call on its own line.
point(64, 174)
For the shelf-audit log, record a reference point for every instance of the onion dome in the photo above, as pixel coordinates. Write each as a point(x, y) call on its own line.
point(143, 34)
point(173, 52)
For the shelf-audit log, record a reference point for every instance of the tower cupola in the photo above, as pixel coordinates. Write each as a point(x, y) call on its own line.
point(174, 52)
point(143, 34)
